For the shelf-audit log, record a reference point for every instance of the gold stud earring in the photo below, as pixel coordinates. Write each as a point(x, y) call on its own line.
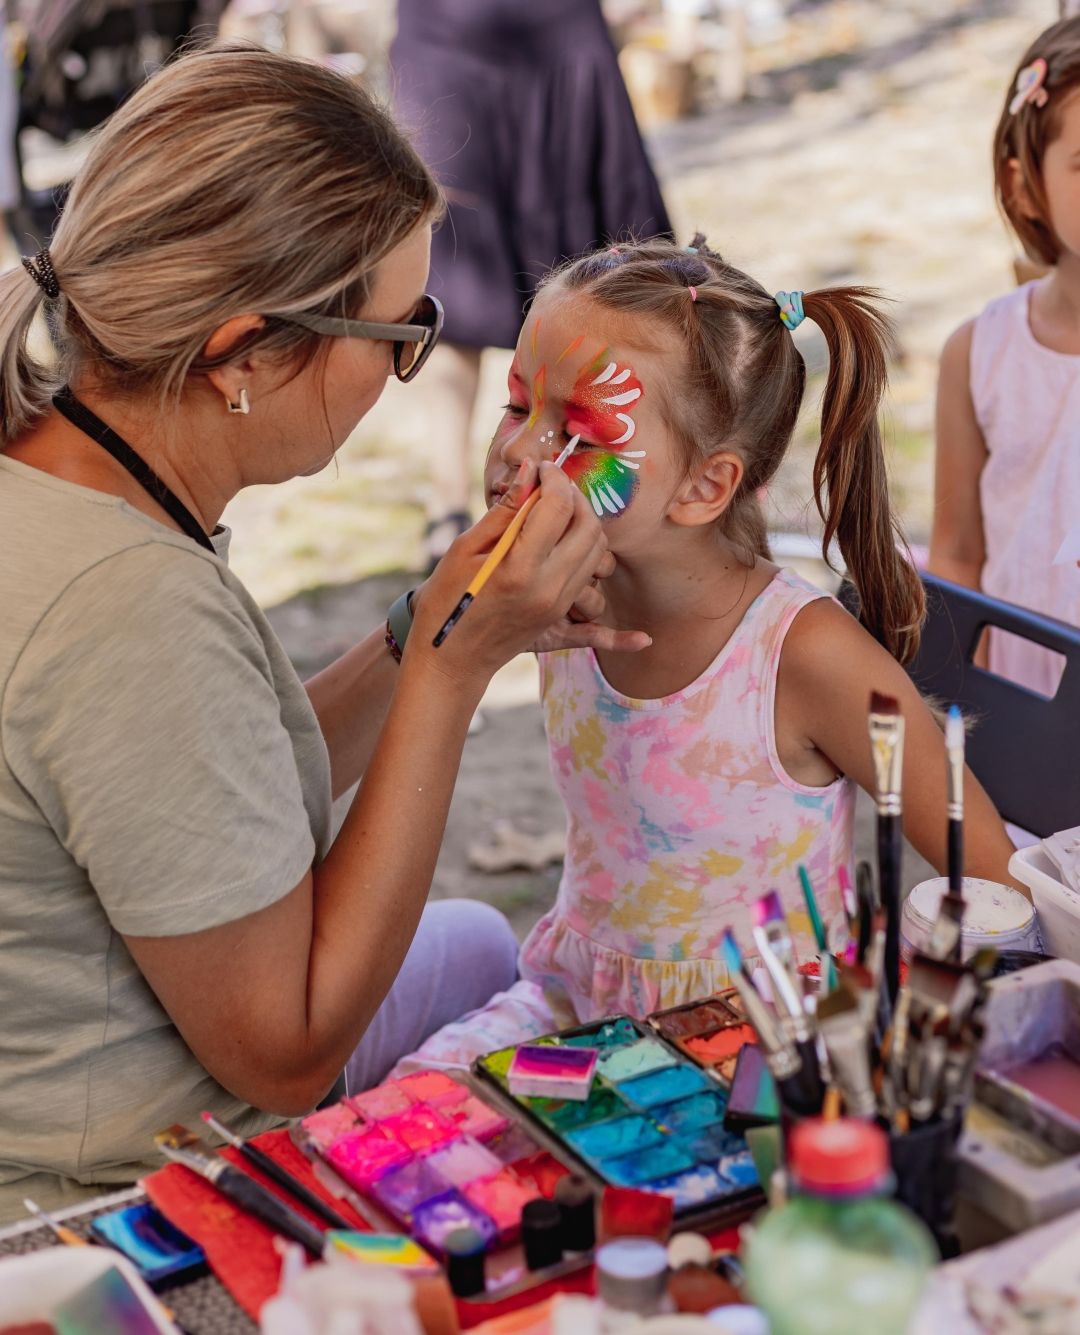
point(242, 405)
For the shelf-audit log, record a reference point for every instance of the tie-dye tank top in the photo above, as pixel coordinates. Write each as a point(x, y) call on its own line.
point(680, 815)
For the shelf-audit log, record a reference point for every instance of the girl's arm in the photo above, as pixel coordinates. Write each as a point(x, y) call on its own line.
point(957, 549)
point(828, 668)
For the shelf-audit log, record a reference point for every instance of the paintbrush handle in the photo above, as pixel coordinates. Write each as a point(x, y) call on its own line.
point(956, 857)
point(253, 1197)
point(494, 560)
point(307, 1198)
point(889, 837)
point(498, 552)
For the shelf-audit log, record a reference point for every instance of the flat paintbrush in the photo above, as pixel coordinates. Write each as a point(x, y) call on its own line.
point(887, 746)
point(949, 942)
point(773, 940)
point(498, 552)
point(798, 1082)
point(866, 899)
point(272, 1169)
point(183, 1146)
point(844, 1033)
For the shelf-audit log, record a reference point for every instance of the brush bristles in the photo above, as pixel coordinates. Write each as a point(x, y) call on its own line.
point(884, 704)
point(769, 908)
point(732, 953)
point(954, 729)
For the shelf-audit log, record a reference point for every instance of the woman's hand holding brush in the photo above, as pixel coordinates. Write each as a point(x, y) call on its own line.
point(541, 596)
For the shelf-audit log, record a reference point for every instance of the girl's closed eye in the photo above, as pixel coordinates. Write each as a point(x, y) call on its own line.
point(515, 409)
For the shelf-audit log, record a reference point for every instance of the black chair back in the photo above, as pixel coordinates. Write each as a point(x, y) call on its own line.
point(1023, 748)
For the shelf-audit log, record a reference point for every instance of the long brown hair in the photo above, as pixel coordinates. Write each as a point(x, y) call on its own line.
point(1027, 133)
point(235, 180)
point(741, 389)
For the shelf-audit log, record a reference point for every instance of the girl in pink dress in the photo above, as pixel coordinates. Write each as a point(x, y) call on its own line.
point(1007, 491)
point(701, 771)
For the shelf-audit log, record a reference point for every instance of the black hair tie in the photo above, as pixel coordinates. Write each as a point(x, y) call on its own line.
point(41, 271)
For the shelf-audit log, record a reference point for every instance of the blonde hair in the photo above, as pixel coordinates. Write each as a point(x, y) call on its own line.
point(235, 180)
point(1027, 133)
point(741, 387)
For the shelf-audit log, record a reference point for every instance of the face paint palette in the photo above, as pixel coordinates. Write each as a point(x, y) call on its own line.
point(426, 1155)
point(654, 1115)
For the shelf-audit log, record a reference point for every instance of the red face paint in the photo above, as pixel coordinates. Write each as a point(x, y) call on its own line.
point(602, 401)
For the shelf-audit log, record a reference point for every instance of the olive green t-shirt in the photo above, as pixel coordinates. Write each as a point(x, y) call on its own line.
point(161, 772)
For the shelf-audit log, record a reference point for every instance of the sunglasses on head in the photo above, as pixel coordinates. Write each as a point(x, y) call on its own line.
point(412, 340)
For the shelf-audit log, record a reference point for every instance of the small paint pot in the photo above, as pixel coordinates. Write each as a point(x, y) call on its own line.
point(631, 1274)
point(994, 915)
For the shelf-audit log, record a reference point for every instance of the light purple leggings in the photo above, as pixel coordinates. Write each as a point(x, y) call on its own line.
point(462, 954)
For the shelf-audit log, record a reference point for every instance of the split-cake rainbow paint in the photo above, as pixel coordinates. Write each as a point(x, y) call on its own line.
point(552, 1072)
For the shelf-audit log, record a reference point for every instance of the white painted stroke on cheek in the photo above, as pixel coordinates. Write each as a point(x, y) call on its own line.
point(619, 400)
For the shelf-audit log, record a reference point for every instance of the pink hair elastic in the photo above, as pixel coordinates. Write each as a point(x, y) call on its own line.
point(693, 293)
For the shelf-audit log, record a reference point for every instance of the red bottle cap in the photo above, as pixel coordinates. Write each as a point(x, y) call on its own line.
point(844, 1157)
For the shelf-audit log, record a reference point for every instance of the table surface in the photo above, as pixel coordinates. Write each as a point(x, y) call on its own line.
point(202, 1307)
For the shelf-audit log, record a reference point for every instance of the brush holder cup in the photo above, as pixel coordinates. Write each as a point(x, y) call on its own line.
point(925, 1164)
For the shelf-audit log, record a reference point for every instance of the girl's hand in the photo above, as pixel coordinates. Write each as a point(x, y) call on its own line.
point(547, 570)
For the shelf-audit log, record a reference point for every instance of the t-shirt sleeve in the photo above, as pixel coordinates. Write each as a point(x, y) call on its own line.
point(143, 719)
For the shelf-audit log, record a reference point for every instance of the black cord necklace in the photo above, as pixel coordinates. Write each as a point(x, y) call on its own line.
point(79, 415)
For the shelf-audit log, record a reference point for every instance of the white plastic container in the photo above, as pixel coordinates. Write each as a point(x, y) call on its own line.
point(33, 1286)
point(994, 915)
point(1056, 904)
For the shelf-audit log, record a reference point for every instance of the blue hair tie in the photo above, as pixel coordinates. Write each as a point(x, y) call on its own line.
point(791, 308)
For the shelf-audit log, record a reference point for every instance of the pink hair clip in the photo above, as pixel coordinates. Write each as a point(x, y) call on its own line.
point(1029, 86)
point(693, 293)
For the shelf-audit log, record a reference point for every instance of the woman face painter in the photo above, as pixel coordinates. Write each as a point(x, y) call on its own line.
point(178, 930)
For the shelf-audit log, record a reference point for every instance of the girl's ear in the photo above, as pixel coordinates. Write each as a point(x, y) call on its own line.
point(1017, 192)
point(708, 492)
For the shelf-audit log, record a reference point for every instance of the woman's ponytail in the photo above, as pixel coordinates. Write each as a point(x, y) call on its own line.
point(850, 484)
point(25, 385)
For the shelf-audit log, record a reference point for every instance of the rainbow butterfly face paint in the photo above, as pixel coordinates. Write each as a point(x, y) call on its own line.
point(601, 407)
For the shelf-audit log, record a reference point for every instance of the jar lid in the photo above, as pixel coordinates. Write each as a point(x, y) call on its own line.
point(991, 910)
point(843, 1157)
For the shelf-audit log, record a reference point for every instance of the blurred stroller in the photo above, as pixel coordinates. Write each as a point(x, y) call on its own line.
point(79, 60)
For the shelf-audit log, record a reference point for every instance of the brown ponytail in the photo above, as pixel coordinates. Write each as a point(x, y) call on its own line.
point(850, 482)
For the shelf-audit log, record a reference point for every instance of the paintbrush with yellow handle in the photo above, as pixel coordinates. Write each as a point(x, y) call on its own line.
point(499, 551)
point(66, 1235)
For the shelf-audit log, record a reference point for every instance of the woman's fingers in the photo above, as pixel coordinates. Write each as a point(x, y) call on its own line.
point(550, 519)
